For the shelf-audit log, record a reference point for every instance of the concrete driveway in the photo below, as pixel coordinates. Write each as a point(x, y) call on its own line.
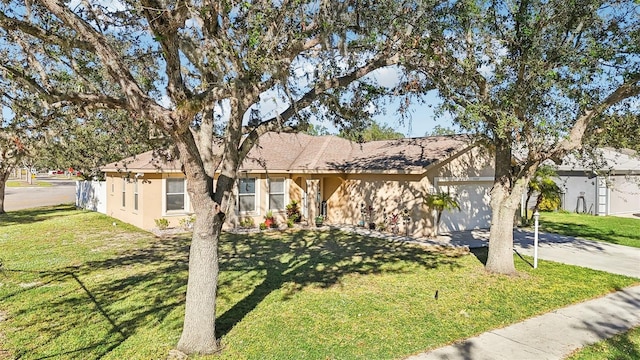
point(61, 192)
point(570, 250)
point(612, 258)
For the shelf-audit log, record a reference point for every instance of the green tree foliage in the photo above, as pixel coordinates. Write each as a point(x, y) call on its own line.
point(372, 132)
point(548, 191)
point(531, 77)
point(99, 138)
point(316, 130)
point(620, 131)
point(20, 133)
point(12, 150)
point(439, 130)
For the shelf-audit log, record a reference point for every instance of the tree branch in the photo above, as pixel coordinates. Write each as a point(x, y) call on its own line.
point(42, 34)
point(574, 138)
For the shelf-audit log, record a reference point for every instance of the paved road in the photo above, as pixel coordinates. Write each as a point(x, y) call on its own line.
point(18, 198)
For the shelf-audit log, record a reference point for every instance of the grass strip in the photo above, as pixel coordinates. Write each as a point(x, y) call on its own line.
point(610, 229)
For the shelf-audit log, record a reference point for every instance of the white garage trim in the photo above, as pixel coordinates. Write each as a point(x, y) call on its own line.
point(461, 179)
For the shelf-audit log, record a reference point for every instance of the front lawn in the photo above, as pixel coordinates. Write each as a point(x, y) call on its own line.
point(611, 229)
point(75, 286)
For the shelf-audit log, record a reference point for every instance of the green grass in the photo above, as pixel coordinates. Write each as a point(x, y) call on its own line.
point(39, 183)
point(625, 346)
point(73, 286)
point(611, 229)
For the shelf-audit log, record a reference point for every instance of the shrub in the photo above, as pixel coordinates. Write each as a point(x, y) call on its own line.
point(290, 223)
point(263, 226)
point(187, 223)
point(549, 203)
point(162, 223)
point(293, 211)
point(247, 222)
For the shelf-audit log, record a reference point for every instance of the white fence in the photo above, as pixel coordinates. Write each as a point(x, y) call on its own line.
point(92, 195)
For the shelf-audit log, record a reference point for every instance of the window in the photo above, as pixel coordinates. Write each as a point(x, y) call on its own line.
point(247, 195)
point(135, 195)
point(124, 192)
point(175, 195)
point(276, 194)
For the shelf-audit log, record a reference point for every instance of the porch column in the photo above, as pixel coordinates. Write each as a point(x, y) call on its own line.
point(313, 188)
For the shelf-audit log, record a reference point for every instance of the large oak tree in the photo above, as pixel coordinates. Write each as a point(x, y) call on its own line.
point(189, 67)
point(535, 78)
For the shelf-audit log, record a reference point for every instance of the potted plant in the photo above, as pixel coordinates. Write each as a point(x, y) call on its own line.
point(268, 219)
point(319, 220)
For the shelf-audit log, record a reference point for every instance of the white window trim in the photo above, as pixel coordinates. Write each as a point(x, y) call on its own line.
point(187, 202)
point(285, 191)
point(123, 194)
point(136, 195)
point(256, 204)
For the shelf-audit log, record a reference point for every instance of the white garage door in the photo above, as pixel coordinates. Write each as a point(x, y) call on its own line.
point(625, 194)
point(475, 212)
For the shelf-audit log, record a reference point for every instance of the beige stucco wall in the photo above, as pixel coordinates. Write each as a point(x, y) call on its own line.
point(150, 200)
point(476, 162)
point(385, 193)
point(344, 194)
point(392, 193)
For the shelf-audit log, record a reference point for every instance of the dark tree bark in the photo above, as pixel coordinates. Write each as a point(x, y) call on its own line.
point(4, 176)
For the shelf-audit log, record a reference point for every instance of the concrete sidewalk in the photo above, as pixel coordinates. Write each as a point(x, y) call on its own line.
point(556, 334)
point(553, 335)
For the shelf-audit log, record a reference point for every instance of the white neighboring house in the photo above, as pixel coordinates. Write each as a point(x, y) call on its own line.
point(609, 185)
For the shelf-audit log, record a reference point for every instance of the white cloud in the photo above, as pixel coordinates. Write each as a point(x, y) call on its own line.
point(388, 76)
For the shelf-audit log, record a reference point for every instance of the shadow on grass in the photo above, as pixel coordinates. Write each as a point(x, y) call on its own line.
point(116, 297)
point(25, 217)
point(317, 259)
point(97, 298)
point(481, 253)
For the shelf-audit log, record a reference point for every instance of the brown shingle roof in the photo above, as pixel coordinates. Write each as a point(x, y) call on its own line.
point(404, 155)
point(285, 152)
point(145, 162)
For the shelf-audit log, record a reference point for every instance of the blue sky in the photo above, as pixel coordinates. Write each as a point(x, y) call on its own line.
point(422, 118)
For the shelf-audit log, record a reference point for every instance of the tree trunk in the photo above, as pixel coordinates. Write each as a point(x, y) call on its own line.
point(500, 258)
point(506, 195)
point(4, 175)
point(198, 332)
